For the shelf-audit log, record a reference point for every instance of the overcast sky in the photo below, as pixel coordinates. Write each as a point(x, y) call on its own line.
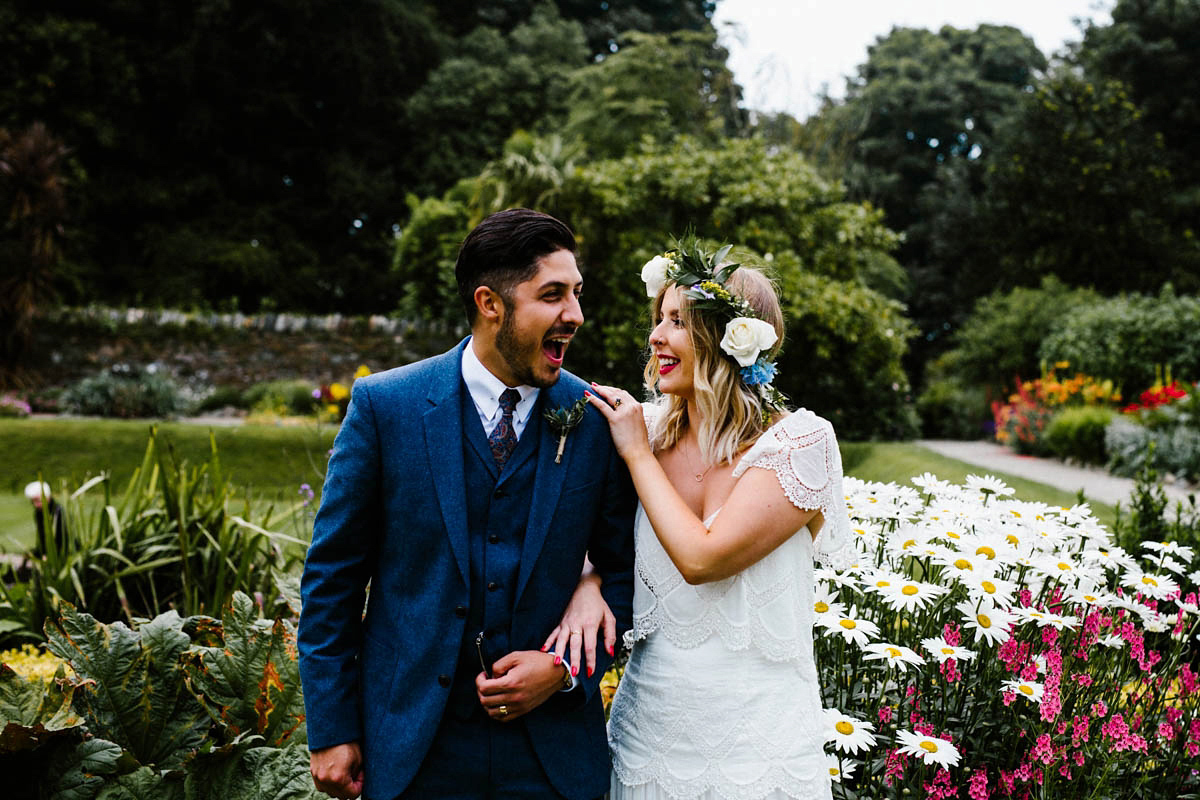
point(783, 51)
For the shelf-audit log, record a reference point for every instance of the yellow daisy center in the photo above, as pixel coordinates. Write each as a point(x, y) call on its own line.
point(909, 590)
point(988, 587)
point(848, 624)
point(1146, 579)
point(882, 584)
point(928, 746)
point(893, 652)
point(834, 772)
point(860, 531)
point(986, 551)
point(1064, 566)
point(962, 563)
point(1016, 514)
point(949, 651)
point(1028, 690)
point(909, 543)
point(844, 728)
point(821, 607)
point(983, 620)
point(1089, 598)
point(1013, 540)
point(953, 535)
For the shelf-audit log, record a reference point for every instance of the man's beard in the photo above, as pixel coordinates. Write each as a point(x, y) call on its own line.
point(510, 350)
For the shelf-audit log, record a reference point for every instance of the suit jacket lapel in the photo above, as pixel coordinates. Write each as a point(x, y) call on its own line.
point(444, 446)
point(547, 483)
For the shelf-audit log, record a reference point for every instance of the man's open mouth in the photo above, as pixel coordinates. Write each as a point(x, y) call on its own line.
point(555, 348)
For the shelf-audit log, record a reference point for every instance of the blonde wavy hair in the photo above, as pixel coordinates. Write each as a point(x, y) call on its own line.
point(731, 412)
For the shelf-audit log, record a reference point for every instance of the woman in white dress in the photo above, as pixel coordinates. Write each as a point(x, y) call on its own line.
point(719, 698)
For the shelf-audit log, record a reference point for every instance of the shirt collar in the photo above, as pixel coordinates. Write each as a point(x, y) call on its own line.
point(485, 388)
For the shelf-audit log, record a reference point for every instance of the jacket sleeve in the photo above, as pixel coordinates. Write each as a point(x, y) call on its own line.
point(336, 572)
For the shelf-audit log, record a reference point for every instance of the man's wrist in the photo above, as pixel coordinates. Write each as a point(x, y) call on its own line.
point(569, 681)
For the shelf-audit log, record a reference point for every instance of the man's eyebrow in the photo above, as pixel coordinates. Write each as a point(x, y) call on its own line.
point(558, 285)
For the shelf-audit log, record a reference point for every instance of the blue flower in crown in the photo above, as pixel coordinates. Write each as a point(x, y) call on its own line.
point(759, 373)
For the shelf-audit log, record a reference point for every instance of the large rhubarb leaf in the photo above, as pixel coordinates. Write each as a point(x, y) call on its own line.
point(133, 691)
point(142, 784)
point(32, 712)
point(260, 773)
point(78, 773)
point(251, 683)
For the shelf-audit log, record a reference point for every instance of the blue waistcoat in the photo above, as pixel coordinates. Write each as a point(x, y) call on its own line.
point(497, 512)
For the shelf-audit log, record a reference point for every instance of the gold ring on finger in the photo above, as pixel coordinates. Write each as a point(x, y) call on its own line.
point(617, 403)
point(502, 710)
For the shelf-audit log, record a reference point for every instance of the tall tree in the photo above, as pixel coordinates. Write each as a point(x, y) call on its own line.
point(656, 86)
point(33, 197)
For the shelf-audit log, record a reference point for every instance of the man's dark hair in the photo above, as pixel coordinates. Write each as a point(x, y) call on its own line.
point(503, 251)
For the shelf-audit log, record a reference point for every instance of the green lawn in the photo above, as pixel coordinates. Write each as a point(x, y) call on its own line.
point(271, 462)
point(900, 461)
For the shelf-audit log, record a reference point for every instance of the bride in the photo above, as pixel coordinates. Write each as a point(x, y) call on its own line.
point(737, 497)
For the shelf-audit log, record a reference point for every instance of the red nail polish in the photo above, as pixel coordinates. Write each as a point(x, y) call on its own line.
point(574, 671)
point(587, 394)
point(590, 671)
point(545, 648)
point(610, 649)
point(557, 660)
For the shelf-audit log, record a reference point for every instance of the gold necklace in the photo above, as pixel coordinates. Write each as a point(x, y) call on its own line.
point(699, 476)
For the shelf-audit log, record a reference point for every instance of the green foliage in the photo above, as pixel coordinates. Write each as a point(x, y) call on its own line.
point(172, 708)
point(282, 397)
point(124, 395)
point(424, 259)
point(1118, 229)
point(1150, 519)
point(1126, 338)
point(1078, 433)
point(1002, 338)
point(173, 538)
point(222, 397)
point(655, 87)
point(32, 712)
point(951, 409)
point(251, 676)
point(1132, 447)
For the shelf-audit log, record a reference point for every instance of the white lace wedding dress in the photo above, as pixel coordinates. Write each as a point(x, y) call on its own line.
point(720, 696)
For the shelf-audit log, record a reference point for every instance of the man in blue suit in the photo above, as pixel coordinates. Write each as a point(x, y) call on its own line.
point(444, 495)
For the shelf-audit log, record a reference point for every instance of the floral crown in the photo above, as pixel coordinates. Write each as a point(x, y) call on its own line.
point(748, 339)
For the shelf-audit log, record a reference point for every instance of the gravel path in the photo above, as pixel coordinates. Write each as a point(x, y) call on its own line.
point(1094, 481)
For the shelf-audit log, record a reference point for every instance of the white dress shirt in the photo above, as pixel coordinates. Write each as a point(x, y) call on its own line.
point(485, 389)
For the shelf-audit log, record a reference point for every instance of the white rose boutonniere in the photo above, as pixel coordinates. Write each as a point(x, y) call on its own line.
point(746, 337)
point(654, 274)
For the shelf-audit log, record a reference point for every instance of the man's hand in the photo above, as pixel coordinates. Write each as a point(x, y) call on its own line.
point(338, 770)
point(521, 682)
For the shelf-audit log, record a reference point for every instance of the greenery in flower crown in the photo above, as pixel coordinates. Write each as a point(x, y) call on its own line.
point(704, 277)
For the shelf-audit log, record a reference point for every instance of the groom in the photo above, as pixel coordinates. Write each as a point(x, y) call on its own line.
point(443, 493)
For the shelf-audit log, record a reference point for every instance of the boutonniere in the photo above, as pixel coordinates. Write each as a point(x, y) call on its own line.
point(563, 421)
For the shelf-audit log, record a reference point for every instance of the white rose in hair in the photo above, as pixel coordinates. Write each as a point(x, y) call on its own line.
point(654, 274)
point(746, 337)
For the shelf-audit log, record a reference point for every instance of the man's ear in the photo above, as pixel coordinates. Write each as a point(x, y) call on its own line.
point(489, 304)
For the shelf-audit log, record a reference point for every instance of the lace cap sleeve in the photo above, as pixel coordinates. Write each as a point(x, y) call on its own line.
point(802, 451)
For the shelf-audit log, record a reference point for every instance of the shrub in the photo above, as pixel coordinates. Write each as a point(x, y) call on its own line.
point(1003, 336)
point(127, 395)
point(1078, 433)
point(283, 397)
point(224, 397)
point(949, 409)
point(1176, 449)
point(1126, 338)
point(13, 406)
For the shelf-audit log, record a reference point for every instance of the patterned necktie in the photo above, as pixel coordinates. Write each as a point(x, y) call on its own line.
point(503, 438)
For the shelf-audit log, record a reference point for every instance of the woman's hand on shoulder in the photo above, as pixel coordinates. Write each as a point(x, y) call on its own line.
point(625, 419)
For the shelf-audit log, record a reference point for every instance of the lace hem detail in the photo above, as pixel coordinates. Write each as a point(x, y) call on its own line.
point(776, 780)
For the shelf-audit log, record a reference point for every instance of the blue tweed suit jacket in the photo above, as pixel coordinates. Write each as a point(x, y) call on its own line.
point(393, 515)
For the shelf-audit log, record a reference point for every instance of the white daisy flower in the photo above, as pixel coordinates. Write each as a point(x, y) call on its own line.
point(910, 595)
point(1089, 596)
point(940, 649)
point(850, 626)
point(1153, 622)
point(1066, 569)
point(989, 622)
point(839, 578)
point(1111, 640)
point(931, 484)
point(848, 734)
point(996, 591)
point(929, 749)
point(1173, 565)
point(988, 485)
point(1194, 577)
point(880, 581)
point(1156, 584)
point(1170, 548)
point(906, 541)
point(1187, 608)
point(1030, 690)
point(962, 565)
point(1078, 514)
point(826, 601)
point(1114, 558)
point(896, 655)
point(1045, 619)
point(839, 769)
